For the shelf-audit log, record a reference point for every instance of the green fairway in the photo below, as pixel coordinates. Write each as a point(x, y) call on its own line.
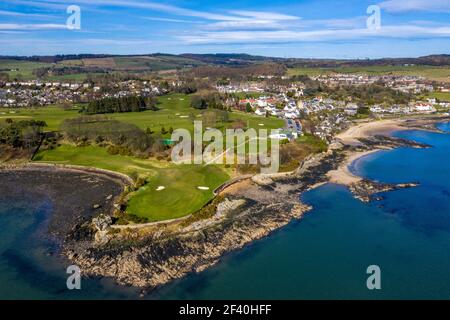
point(180, 195)
point(52, 115)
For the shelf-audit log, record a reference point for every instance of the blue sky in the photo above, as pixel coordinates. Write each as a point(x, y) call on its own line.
point(301, 28)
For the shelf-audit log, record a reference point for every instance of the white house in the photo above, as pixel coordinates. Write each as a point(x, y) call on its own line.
point(260, 112)
point(424, 107)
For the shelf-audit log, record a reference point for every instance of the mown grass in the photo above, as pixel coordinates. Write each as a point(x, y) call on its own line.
point(52, 115)
point(181, 195)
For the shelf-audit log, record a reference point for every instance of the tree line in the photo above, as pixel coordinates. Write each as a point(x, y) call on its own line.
point(120, 137)
point(120, 105)
point(21, 134)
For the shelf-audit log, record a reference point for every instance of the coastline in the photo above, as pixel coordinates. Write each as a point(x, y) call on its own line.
point(150, 257)
point(351, 137)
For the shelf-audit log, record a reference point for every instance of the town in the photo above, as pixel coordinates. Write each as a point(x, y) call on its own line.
point(288, 98)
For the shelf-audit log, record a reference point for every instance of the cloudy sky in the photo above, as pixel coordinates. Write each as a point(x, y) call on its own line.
point(282, 28)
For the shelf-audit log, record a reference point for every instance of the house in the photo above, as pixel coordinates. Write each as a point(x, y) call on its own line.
point(424, 107)
point(260, 112)
point(278, 136)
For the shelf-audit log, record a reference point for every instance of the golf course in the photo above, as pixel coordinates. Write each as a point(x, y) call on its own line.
point(171, 191)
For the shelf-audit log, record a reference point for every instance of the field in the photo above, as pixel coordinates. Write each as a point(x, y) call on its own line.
point(52, 115)
point(23, 68)
point(442, 96)
point(154, 63)
point(181, 195)
point(430, 72)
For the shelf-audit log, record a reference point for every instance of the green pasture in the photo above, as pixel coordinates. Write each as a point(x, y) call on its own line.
point(430, 72)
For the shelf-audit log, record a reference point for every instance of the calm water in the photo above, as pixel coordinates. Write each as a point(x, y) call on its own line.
point(325, 255)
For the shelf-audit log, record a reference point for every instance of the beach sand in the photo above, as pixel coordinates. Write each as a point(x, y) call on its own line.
point(350, 137)
point(342, 175)
point(363, 130)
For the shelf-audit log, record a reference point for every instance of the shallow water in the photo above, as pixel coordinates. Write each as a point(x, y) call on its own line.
point(324, 255)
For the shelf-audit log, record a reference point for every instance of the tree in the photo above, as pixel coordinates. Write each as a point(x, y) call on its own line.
point(198, 102)
point(248, 107)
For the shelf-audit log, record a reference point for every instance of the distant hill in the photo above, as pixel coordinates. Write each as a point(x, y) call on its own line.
point(80, 65)
point(161, 60)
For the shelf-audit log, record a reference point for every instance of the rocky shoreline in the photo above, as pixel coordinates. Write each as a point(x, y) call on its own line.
point(76, 195)
point(251, 209)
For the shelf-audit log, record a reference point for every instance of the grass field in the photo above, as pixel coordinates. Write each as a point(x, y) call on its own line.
point(23, 68)
point(181, 195)
point(52, 115)
point(430, 72)
point(441, 96)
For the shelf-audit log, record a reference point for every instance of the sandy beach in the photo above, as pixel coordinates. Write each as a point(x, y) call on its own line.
point(342, 175)
point(363, 130)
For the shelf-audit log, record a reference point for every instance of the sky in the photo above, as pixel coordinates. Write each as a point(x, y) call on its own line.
point(280, 28)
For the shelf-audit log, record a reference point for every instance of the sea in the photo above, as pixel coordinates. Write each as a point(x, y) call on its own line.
point(328, 254)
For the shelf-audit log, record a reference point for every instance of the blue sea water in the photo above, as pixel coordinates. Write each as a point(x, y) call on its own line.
point(325, 255)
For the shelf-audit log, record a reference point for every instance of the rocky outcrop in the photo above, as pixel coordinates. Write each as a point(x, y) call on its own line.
point(367, 190)
point(150, 262)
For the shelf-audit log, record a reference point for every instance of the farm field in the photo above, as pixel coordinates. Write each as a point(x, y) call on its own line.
point(25, 69)
point(180, 196)
point(430, 72)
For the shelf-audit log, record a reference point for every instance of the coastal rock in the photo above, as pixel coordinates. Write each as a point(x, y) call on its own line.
point(262, 179)
point(149, 263)
point(367, 190)
point(102, 222)
point(227, 206)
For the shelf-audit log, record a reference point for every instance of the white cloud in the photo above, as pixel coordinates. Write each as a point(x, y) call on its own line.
point(264, 15)
point(402, 31)
point(244, 25)
point(416, 5)
point(170, 20)
point(17, 26)
point(25, 15)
